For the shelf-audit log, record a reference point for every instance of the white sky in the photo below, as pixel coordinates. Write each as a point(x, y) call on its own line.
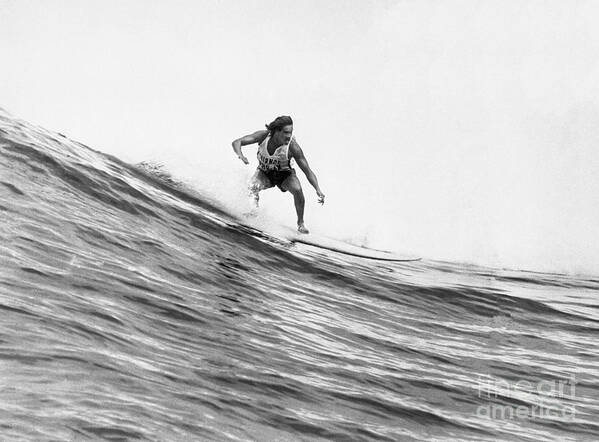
point(458, 129)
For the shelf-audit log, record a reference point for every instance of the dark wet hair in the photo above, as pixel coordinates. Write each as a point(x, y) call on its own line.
point(279, 123)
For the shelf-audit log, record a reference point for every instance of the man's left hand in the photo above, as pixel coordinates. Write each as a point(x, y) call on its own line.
point(320, 197)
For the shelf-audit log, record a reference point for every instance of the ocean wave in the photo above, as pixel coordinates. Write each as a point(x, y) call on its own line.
point(135, 308)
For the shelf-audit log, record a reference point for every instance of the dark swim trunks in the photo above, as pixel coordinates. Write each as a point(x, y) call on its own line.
point(276, 177)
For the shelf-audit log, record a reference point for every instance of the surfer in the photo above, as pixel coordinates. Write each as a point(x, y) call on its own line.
point(276, 148)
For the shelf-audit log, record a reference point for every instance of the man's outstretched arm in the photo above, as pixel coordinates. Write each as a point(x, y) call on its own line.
point(256, 137)
point(301, 161)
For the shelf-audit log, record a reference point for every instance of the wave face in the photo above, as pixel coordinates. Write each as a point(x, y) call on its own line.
point(134, 310)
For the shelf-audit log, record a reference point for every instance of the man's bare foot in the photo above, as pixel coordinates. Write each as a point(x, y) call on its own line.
point(301, 228)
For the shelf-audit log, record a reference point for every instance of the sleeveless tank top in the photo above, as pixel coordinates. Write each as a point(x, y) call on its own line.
point(278, 161)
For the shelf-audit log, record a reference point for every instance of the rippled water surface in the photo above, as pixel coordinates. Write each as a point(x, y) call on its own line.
point(133, 310)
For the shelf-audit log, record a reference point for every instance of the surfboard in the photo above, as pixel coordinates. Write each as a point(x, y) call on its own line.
point(334, 245)
point(286, 236)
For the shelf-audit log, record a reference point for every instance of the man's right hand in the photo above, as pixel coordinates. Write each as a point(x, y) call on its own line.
point(244, 159)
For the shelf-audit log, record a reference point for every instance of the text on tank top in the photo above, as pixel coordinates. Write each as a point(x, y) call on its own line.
point(279, 160)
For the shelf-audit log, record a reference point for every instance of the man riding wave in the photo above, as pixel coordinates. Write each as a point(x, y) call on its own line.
point(276, 148)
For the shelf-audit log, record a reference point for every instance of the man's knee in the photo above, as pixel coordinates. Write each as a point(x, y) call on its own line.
point(254, 188)
point(297, 192)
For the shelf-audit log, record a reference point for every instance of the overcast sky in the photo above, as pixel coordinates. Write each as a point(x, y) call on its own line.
point(458, 129)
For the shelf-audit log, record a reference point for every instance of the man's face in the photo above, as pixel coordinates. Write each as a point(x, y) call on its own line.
point(284, 135)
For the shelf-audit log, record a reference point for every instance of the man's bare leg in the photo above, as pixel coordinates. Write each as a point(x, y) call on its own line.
point(300, 202)
point(254, 195)
point(258, 182)
point(293, 185)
